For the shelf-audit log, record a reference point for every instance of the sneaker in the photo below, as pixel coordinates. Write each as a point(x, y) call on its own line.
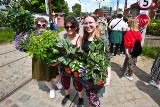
point(52, 93)
point(128, 77)
point(80, 103)
point(155, 84)
point(59, 86)
point(65, 99)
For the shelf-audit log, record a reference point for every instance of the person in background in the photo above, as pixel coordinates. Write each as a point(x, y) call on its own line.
point(53, 25)
point(106, 27)
point(122, 49)
point(129, 40)
point(41, 71)
point(91, 31)
point(72, 27)
point(116, 26)
point(155, 72)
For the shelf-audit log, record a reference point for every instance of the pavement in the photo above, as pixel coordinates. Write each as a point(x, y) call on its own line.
point(17, 89)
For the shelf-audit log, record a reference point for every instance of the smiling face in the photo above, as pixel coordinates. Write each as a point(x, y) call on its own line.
point(90, 24)
point(71, 29)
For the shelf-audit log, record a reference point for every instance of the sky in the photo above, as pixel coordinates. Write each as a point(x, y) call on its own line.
point(91, 5)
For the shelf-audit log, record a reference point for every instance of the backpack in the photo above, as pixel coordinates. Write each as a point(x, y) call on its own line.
point(137, 50)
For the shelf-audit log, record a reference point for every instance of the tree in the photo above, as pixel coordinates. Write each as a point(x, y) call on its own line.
point(17, 18)
point(105, 8)
point(76, 9)
point(38, 6)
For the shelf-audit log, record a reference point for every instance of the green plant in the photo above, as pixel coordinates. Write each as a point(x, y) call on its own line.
point(42, 46)
point(153, 27)
point(6, 35)
point(18, 19)
point(97, 61)
point(150, 52)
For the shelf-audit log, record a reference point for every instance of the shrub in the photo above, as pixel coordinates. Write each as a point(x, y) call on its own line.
point(6, 35)
point(150, 52)
point(153, 27)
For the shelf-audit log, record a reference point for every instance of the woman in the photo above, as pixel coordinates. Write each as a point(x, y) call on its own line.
point(155, 72)
point(129, 40)
point(72, 28)
point(116, 26)
point(90, 32)
point(41, 71)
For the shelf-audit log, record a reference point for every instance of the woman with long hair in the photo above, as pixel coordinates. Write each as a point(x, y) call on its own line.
point(91, 31)
point(129, 40)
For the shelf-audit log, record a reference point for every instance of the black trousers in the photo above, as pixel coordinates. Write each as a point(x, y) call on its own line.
point(116, 48)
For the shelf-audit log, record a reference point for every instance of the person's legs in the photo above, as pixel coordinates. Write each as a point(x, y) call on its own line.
point(52, 91)
point(116, 49)
point(65, 80)
point(111, 48)
point(78, 87)
point(56, 81)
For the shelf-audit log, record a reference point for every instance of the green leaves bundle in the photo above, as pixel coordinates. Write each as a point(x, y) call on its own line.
point(43, 46)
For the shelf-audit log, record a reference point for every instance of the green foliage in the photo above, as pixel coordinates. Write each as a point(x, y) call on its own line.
point(97, 61)
point(6, 35)
point(150, 52)
point(76, 9)
point(18, 19)
point(42, 47)
point(38, 6)
point(153, 27)
point(105, 8)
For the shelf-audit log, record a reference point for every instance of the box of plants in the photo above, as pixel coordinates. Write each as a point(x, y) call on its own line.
point(42, 46)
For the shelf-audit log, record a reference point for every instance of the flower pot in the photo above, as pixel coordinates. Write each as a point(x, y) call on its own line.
point(100, 82)
point(76, 74)
point(68, 70)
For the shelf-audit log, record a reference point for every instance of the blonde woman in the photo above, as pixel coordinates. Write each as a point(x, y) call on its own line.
point(91, 31)
point(129, 40)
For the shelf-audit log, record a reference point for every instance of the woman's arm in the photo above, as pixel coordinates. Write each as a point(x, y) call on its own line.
point(109, 76)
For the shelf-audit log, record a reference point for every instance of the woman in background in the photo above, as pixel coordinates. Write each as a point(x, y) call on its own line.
point(129, 40)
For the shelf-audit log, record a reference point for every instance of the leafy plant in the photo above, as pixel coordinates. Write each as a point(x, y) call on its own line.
point(42, 47)
point(153, 27)
point(17, 18)
point(21, 41)
point(97, 61)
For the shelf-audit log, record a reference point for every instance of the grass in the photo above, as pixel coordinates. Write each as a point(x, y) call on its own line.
point(150, 52)
point(6, 35)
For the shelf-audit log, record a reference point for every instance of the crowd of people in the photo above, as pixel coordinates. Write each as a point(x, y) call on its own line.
point(119, 31)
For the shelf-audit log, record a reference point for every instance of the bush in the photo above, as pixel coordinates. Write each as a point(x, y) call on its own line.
point(153, 27)
point(150, 52)
point(6, 35)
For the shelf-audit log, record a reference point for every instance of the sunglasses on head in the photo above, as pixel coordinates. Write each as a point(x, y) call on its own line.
point(41, 25)
point(72, 27)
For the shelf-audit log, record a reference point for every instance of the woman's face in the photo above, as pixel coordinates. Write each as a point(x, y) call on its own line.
point(41, 24)
point(71, 29)
point(90, 24)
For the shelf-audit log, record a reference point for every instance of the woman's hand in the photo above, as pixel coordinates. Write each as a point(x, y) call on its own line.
point(56, 63)
point(107, 83)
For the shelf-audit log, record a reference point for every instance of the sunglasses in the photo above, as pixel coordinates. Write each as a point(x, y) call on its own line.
point(41, 25)
point(72, 27)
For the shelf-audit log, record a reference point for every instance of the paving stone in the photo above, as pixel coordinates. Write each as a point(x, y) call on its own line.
point(32, 102)
point(24, 98)
point(142, 103)
point(14, 105)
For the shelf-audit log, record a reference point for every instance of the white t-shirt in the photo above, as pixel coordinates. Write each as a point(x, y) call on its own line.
point(119, 26)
